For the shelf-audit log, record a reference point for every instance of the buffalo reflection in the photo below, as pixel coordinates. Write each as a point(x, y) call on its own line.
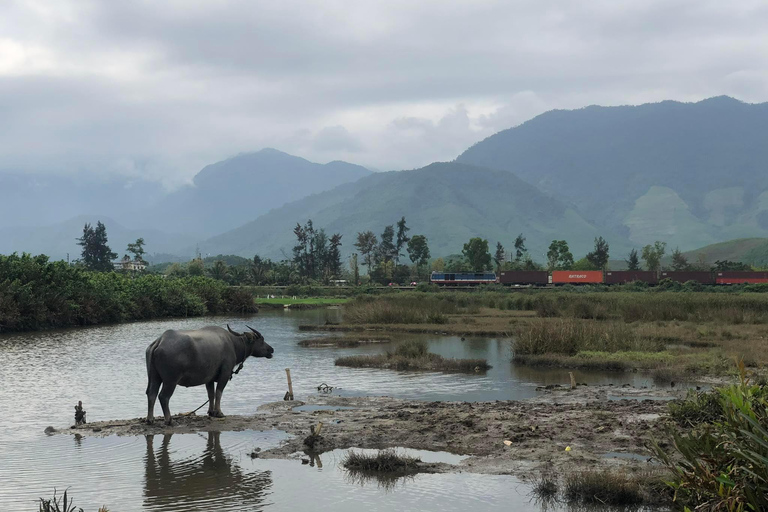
point(211, 481)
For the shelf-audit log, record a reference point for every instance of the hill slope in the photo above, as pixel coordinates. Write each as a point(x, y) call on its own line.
point(447, 202)
point(56, 240)
point(753, 251)
point(232, 192)
point(687, 173)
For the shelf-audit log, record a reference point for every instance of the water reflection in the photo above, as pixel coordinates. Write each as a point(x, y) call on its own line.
point(211, 481)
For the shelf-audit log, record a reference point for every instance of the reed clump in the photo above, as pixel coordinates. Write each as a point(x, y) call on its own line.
point(602, 488)
point(399, 310)
point(383, 461)
point(571, 336)
point(413, 355)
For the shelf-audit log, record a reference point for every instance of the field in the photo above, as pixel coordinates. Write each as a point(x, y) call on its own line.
point(307, 301)
point(676, 336)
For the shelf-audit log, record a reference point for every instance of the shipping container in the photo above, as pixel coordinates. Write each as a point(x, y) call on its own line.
point(628, 276)
point(577, 276)
point(703, 277)
point(737, 277)
point(523, 277)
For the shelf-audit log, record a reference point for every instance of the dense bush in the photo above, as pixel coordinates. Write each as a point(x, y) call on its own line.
point(37, 294)
point(721, 463)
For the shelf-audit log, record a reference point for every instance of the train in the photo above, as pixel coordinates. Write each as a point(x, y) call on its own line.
point(560, 277)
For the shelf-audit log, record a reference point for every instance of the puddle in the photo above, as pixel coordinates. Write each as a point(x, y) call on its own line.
point(312, 408)
point(627, 456)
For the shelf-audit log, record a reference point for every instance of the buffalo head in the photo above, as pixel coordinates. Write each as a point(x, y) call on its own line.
point(254, 340)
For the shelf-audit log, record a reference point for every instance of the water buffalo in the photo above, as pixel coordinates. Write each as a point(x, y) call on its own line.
point(203, 356)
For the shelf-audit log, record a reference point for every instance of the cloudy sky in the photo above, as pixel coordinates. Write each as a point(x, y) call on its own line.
point(159, 89)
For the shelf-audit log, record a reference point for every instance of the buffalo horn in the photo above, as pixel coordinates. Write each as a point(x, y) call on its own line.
point(233, 332)
point(254, 330)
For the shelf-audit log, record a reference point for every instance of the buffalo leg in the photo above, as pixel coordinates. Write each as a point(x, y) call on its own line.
point(165, 396)
point(211, 397)
point(152, 389)
point(219, 390)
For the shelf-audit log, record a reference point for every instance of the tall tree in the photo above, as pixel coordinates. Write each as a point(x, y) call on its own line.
point(258, 269)
point(367, 243)
point(498, 257)
point(355, 269)
point(476, 253)
point(219, 270)
point(599, 257)
point(652, 255)
point(679, 261)
point(520, 249)
point(96, 254)
point(418, 250)
point(196, 267)
point(633, 262)
point(137, 249)
point(334, 256)
point(559, 256)
point(402, 238)
point(387, 247)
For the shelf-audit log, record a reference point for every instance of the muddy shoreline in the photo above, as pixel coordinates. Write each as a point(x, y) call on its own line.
point(596, 422)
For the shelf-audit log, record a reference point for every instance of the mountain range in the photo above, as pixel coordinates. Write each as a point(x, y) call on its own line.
point(690, 174)
point(449, 203)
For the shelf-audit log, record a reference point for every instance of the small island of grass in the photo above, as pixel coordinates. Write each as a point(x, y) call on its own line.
point(413, 355)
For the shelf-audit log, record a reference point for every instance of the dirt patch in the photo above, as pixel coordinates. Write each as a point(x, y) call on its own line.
point(538, 431)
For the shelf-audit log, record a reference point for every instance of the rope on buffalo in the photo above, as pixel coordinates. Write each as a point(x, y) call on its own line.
point(204, 403)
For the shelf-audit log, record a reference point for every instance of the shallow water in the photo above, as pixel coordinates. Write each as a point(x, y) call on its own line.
point(46, 373)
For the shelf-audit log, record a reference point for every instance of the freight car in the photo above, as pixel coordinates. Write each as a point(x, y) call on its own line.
point(462, 279)
point(701, 276)
point(524, 277)
point(628, 276)
point(734, 277)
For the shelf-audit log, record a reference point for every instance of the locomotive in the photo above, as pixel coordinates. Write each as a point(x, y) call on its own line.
point(543, 277)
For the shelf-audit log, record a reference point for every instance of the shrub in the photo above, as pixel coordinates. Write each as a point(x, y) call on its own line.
point(723, 464)
point(384, 461)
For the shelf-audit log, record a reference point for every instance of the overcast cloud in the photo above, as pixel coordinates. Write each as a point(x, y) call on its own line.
point(159, 89)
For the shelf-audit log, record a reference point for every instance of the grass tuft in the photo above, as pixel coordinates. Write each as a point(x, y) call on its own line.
point(383, 461)
point(602, 488)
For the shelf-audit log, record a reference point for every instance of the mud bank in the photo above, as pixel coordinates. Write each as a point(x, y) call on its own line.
point(595, 422)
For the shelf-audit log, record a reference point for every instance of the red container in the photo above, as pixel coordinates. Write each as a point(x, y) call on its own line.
point(523, 277)
point(627, 276)
point(736, 277)
point(577, 276)
point(703, 277)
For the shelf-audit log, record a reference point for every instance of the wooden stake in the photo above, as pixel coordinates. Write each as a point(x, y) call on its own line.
point(573, 380)
point(290, 384)
point(318, 428)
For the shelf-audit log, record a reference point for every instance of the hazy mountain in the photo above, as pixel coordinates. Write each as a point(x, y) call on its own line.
point(57, 240)
point(447, 202)
point(687, 173)
point(28, 199)
point(232, 192)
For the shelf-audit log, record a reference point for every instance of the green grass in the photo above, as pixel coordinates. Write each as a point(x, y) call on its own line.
point(311, 301)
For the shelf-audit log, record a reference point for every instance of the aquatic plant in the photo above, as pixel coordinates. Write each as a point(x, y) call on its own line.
point(383, 461)
point(58, 504)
